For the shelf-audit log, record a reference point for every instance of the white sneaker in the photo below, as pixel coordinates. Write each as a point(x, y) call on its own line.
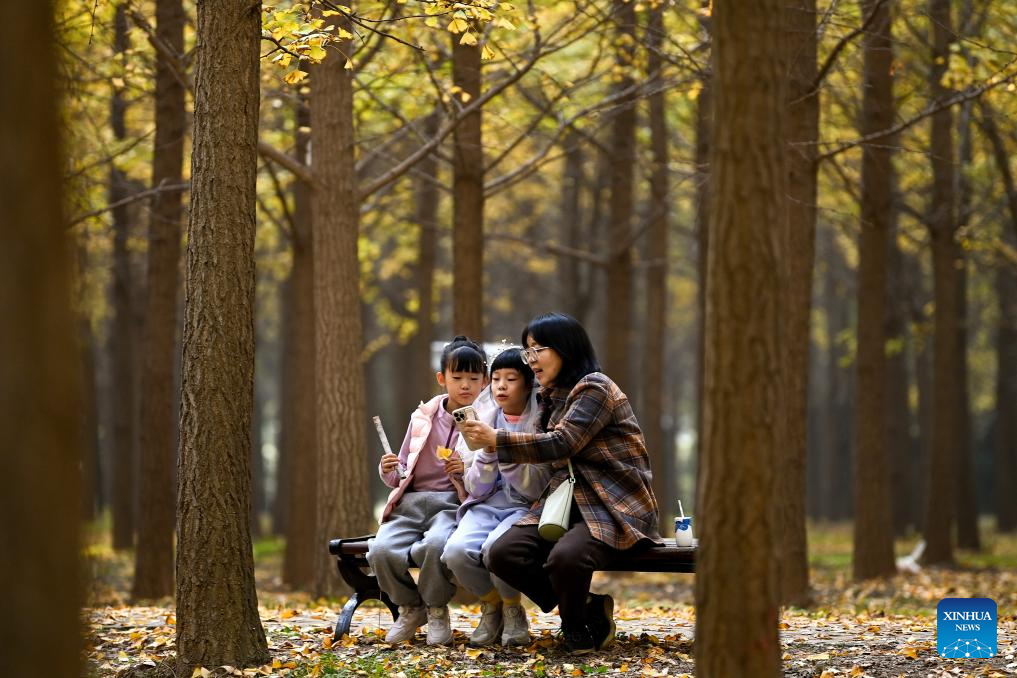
point(517, 627)
point(410, 619)
point(489, 629)
point(439, 628)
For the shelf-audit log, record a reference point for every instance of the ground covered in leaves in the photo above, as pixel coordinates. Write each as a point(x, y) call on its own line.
point(876, 628)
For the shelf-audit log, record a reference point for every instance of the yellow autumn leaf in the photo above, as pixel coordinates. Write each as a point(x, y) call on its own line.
point(486, 53)
point(911, 652)
point(289, 614)
point(292, 78)
point(457, 26)
point(822, 656)
point(873, 629)
point(468, 39)
point(349, 65)
point(473, 654)
point(502, 22)
point(276, 664)
point(856, 671)
point(316, 53)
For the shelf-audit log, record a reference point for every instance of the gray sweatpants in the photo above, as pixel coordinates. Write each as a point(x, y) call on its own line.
point(415, 535)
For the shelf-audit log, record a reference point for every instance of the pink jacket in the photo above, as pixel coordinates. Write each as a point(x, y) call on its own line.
point(420, 429)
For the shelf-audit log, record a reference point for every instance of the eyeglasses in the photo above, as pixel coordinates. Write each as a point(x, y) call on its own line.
point(530, 354)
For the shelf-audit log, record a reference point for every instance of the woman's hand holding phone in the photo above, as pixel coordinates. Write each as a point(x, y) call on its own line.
point(478, 434)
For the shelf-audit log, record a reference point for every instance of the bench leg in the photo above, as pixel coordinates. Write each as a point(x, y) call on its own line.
point(365, 587)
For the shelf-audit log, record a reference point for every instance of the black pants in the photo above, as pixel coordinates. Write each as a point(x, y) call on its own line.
point(551, 573)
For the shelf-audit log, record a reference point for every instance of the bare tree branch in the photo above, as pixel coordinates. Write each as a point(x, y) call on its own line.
point(141, 195)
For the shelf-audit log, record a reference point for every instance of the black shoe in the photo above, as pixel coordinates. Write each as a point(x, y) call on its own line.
point(600, 619)
point(578, 640)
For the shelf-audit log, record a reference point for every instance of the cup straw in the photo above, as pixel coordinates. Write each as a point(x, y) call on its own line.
point(680, 510)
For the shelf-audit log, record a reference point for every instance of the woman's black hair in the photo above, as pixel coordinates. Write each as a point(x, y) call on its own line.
point(463, 355)
point(567, 337)
point(512, 359)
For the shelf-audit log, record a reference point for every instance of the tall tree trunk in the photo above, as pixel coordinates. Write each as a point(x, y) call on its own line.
point(897, 418)
point(873, 534)
point(802, 131)
point(257, 462)
point(941, 500)
point(427, 202)
point(121, 345)
point(1005, 459)
point(301, 457)
point(704, 126)
point(570, 225)
point(467, 199)
point(89, 421)
point(344, 507)
point(153, 574)
point(655, 355)
point(217, 607)
point(967, 499)
point(737, 590)
point(40, 397)
point(618, 318)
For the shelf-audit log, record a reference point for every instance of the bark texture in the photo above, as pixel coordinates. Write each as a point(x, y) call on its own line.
point(343, 481)
point(467, 200)
point(217, 607)
point(153, 573)
point(940, 514)
point(40, 397)
point(655, 356)
point(737, 585)
point(1005, 442)
point(618, 317)
point(122, 344)
point(873, 533)
point(802, 130)
point(300, 384)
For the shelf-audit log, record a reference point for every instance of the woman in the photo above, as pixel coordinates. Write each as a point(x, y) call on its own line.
point(588, 420)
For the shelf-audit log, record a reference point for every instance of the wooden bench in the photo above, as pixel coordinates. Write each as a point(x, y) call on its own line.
point(351, 559)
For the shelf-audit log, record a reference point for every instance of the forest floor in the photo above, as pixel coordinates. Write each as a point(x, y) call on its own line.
point(875, 628)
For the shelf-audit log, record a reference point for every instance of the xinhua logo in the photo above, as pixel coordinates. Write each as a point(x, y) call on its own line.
point(966, 628)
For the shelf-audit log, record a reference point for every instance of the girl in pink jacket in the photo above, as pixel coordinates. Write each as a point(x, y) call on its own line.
point(426, 478)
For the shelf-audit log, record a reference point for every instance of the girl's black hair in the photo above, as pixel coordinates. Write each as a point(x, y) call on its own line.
point(463, 355)
point(567, 337)
point(512, 359)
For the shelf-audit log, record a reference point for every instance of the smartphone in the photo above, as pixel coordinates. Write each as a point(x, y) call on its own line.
point(464, 414)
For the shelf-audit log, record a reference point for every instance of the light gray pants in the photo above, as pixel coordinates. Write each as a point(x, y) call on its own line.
point(465, 550)
point(415, 536)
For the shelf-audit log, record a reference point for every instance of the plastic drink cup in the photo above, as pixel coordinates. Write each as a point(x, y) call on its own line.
point(683, 531)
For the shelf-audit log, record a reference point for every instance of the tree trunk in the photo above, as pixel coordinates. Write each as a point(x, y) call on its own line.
point(941, 500)
point(121, 345)
point(967, 499)
point(217, 607)
point(257, 461)
point(153, 577)
point(737, 588)
point(299, 428)
point(467, 199)
point(1005, 471)
point(873, 534)
point(570, 226)
point(655, 356)
point(39, 400)
point(897, 419)
point(89, 421)
point(802, 131)
point(618, 318)
point(428, 199)
point(704, 125)
point(343, 483)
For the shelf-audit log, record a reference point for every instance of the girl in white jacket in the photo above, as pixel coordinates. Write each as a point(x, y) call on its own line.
point(498, 495)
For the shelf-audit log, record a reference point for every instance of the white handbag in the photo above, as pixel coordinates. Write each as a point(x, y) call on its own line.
point(554, 518)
